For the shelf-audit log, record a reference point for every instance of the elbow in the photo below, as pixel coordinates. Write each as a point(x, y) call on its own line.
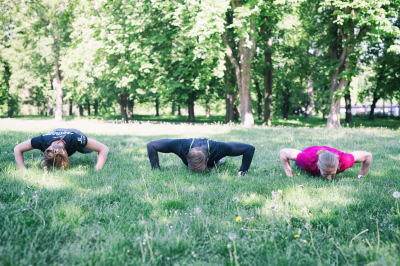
point(16, 150)
point(106, 150)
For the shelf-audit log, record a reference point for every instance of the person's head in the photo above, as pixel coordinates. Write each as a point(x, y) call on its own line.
point(197, 160)
point(55, 156)
point(328, 163)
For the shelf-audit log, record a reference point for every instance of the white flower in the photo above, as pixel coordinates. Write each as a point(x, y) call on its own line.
point(280, 191)
point(109, 187)
point(143, 222)
point(348, 201)
point(232, 236)
point(22, 193)
point(197, 210)
point(235, 199)
point(274, 207)
point(275, 194)
point(396, 194)
point(307, 226)
point(229, 246)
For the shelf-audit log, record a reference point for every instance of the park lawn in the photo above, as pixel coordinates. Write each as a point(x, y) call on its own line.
point(392, 122)
point(127, 214)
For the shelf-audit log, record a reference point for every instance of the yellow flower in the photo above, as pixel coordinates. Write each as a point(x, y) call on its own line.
point(238, 219)
point(296, 236)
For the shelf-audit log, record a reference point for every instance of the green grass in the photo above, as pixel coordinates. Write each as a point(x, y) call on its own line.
point(392, 122)
point(127, 214)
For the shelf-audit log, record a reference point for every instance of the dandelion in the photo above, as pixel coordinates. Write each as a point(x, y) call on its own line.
point(232, 236)
point(143, 222)
point(238, 219)
point(296, 236)
point(307, 226)
point(274, 207)
point(235, 199)
point(109, 187)
point(22, 193)
point(197, 210)
point(348, 201)
point(167, 258)
point(280, 191)
point(396, 194)
point(275, 194)
point(229, 245)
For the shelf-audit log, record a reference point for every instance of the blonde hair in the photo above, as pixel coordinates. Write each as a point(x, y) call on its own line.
point(197, 160)
point(55, 156)
point(327, 159)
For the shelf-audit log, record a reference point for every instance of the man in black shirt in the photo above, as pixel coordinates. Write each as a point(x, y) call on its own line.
point(198, 154)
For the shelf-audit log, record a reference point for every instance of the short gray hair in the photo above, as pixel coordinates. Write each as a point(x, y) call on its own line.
point(327, 159)
point(197, 160)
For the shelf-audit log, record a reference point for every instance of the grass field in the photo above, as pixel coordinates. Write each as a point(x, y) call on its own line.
point(127, 214)
point(392, 122)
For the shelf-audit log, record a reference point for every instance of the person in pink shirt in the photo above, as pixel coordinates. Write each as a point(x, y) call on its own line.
point(325, 161)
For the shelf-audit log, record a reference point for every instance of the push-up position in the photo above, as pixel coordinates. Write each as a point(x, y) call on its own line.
point(58, 145)
point(198, 154)
point(325, 161)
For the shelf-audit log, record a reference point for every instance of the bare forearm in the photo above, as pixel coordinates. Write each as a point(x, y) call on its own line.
point(19, 158)
point(101, 159)
point(366, 165)
point(286, 165)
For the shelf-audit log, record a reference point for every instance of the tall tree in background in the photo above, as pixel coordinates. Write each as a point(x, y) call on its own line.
point(346, 25)
point(243, 20)
point(43, 27)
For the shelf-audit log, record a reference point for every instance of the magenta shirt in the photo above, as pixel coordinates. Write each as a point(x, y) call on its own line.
point(308, 159)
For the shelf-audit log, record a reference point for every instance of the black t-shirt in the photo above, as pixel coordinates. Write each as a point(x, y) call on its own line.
point(216, 150)
point(74, 140)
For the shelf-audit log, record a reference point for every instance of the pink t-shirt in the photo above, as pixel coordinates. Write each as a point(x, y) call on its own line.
point(308, 159)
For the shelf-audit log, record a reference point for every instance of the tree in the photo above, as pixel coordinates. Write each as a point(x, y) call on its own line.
point(346, 26)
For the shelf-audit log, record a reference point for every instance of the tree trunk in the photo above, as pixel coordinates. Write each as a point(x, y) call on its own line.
point(80, 110)
point(348, 107)
point(268, 82)
point(10, 111)
point(157, 107)
point(310, 91)
point(259, 100)
point(179, 109)
point(173, 108)
point(191, 107)
point(383, 107)
point(243, 67)
point(131, 103)
point(231, 92)
point(123, 98)
point(57, 83)
point(96, 107)
point(50, 107)
point(286, 104)
point(208, 114)
point(70, 107)
point(88, 108)
point(337, 83)
point(236, 114)
point(373, 105)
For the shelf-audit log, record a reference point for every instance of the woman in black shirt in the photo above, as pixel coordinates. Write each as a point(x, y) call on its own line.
point(198, 154)
point(58, 145)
